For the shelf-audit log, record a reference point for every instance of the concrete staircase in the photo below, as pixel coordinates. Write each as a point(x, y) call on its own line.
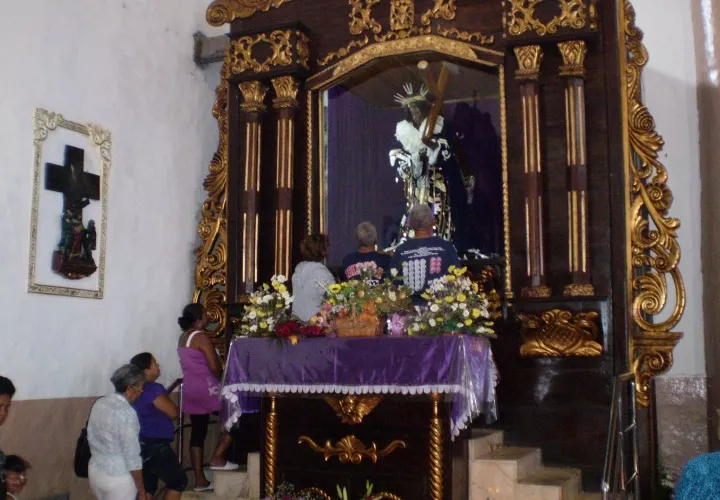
point(497, 472)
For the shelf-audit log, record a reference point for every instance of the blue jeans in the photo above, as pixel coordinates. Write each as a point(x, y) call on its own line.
point(160, 462)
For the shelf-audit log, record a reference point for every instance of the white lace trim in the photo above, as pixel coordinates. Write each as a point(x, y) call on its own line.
point(230, 393)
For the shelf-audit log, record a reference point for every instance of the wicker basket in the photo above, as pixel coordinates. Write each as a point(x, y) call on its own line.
point(364, 325)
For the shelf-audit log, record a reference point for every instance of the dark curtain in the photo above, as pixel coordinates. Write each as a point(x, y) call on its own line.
point(361, 184)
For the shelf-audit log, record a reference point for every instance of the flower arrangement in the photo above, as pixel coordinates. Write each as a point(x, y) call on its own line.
point(367, 294)
point(267, 309)
point(268, 314)
point(286, 491)
point(454, 305)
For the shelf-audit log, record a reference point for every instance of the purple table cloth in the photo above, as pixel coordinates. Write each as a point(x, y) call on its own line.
point(460, 366)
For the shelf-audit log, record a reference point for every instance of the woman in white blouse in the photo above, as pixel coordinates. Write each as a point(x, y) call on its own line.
point(115, 470)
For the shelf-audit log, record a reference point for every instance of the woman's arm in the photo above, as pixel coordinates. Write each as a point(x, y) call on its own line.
point(166, 405)
point(204, 344)
point(130, 446)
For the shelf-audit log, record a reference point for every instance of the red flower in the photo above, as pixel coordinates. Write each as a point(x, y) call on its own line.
point(287, 329)
point(312, 331)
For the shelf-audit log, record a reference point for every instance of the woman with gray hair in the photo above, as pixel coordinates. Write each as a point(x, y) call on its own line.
point(113, 430)
point(366, 236)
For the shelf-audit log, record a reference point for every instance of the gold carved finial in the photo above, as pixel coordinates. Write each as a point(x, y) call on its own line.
point(286, 89)
point(351, 450)
point(226, 11)
point(573, 53)
point(253, 96)
point(529, 58)
point(560, 333)
point(277, 44)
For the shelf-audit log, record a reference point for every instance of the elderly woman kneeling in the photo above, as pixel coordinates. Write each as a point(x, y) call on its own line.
point(115, 470)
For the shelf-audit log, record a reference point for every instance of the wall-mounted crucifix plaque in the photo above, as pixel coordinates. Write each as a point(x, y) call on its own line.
point(73, 258)
point(69, 212)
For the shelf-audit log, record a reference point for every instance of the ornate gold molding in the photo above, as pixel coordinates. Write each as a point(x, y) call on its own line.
point(560, 333)
point(579, 290)
point(226, 11)
point(211, 256)
point(351, 409)
point(280, 45)
point(449, 47)
point(652, 234)
point(573, 53)
point(361, 18)
point(529, 58)
point(574, 14)
point(351, 450)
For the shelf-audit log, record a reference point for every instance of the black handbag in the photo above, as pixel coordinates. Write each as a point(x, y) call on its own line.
point(82, 450)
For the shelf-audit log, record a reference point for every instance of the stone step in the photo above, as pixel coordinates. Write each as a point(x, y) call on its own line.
point(485, 441)
point(550, 484)
point(495, 475)
point(239, 483)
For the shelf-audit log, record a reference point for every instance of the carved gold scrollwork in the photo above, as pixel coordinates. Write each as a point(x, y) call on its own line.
point(351, 409)
point(655, 253)
point(442, 9)
point(225, 11)
point(351, 450)
point(211, 256)
point(361, 18)
point(402, 14)
point(573, 14)
point(281, 53)
point(401, 25)
point(560, 333)
point(466, 36)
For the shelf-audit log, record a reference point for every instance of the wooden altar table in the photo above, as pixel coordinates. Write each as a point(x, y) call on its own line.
point(389, 410)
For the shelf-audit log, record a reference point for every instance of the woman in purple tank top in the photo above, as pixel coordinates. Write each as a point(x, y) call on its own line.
point(201, 391)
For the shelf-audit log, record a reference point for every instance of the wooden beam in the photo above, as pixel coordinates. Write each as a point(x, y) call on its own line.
point(208, 50)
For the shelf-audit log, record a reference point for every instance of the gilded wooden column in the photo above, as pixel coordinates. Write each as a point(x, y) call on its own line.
point(436, 450)
point(271, 425)
point(252, 109)
point(529, 58)
point(286, 89)
point(573, 70)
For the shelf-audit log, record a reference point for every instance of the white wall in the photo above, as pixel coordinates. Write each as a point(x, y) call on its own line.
point(126, 65)
point(670, 89)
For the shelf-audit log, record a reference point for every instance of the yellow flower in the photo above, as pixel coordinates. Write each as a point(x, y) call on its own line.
point(475, 287)
point(294, 339)
point(459, 271)
point(335, 288)
point(361, 294)
point(452, 268)
point(281, 288)
point(476, 313)
point(332, 301)
point(278, 306)
point(449, 299)
point(425, 296)
point(423, 327)
point(266, 286)
point(461, 297)
point(379, 300)
point(260, 314)
point(263, 324)
point(451, 278)
point(468, 322)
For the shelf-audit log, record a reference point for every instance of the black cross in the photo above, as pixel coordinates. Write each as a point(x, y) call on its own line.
point(70, 179)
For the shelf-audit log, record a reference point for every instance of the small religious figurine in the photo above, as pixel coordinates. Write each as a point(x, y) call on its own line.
point(427, 166)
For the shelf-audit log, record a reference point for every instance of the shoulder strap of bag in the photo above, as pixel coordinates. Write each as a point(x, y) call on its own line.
point(91, 409)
